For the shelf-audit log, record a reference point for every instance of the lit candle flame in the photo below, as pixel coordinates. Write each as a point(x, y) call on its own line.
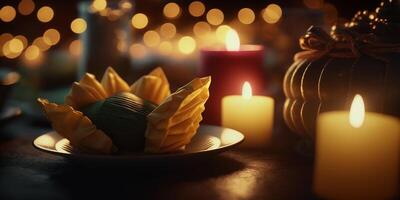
point(232, 41)
point(246, 90)
point(357, 112)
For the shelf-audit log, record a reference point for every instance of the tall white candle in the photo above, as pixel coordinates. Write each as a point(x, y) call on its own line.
point(357, 154)
point(251, 115)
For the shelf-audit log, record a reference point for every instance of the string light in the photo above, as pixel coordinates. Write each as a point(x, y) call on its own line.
point(201, 29)
point(78, 25)
point(7, 13)
point(246, 16)
point(51, 37)
point(151, 38)
point(215, 16)
point(26, 7)
point(45, 14)
point(171, 10)
point(139, 21)
point(187, 45)
point(272, 13)
point(196, 8)
point(168, 30)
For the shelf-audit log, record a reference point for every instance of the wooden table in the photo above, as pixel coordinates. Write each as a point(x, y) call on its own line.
point(27, 173)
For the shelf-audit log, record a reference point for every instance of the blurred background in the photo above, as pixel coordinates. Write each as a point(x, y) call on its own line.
point(51, 43)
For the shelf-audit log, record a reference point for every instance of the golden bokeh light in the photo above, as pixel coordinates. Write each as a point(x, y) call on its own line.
point(171, 10)
point(246, 15)
point(7, 13)
point(215, 16)
point(41, 44)
point(201, 29)
point(138, 51)
point(139, 21)
point(165, 47)
point(196, 8)
point(23, 40)
point(313, 4)
point(75, 48)
point(99, 5)
point(187, 45)
point(168, 30)
point(51, 36)
point(5, 37)
point(151, 38)
point(272, 13)
point(45, 14)
point(125, 5)
point(15, 45)
point(221, 32)
point(26, 7)
point(11, 49)
point(78, 25)
point(32, 53)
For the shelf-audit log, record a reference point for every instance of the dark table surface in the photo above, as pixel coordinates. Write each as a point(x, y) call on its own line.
point(27, 173)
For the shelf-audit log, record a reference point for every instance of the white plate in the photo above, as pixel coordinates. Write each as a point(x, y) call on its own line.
point(209, 140)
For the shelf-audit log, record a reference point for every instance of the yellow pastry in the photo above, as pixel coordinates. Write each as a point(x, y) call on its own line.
point(142, 117)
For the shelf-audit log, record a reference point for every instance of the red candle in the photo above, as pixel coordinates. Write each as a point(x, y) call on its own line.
point(229, 68)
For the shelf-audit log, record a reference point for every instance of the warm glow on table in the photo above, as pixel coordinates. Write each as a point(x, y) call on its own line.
point(251, 115)
point(357, 154)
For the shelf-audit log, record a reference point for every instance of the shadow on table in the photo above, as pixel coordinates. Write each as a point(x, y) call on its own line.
point(148, 181)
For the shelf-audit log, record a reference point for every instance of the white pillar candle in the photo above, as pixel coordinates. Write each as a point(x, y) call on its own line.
point(357, 154)
point(251, 115)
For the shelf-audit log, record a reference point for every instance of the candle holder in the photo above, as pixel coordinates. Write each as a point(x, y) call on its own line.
point(107, 38)
point(229, 70)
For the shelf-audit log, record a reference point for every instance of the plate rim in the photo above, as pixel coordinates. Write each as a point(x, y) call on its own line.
point(141, 156)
